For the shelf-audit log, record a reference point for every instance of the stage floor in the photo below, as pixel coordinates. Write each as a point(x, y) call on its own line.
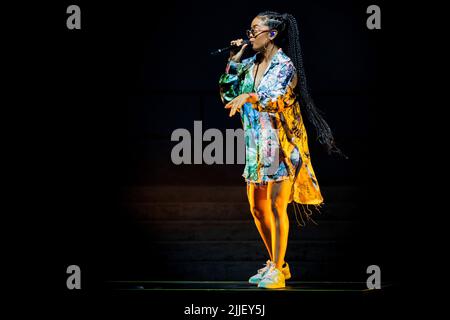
point(304, 286)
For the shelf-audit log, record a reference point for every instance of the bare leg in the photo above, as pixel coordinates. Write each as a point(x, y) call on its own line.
point(279, 194)
point(262, 213)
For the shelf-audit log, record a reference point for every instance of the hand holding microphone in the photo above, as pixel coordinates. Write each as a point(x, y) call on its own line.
point(234, 45)
point(239, 43)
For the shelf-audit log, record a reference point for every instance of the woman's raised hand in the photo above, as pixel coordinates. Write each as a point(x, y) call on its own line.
point(236, 104)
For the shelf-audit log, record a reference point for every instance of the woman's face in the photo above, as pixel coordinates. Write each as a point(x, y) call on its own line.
point(258, 34)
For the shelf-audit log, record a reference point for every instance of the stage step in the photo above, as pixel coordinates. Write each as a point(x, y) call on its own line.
point(322, 251)
point(229, 230)
point(239, 270)
point(231, 194)
point(208, 233)
point(221, 210)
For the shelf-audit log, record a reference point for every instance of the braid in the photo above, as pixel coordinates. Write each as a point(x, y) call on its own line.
point(288, 38)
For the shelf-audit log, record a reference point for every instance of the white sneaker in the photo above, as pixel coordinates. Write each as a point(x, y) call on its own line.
point(272, 279)
point(261, 272)
point(258, 277)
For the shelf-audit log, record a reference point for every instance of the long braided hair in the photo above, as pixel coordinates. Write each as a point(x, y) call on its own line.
point(288, 39)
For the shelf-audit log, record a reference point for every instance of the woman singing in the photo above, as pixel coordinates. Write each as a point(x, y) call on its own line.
point(268, 90)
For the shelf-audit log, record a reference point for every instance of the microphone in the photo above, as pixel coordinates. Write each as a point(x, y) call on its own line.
point(226, 49)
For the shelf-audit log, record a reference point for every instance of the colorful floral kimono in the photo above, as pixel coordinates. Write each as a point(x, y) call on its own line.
point(276, 142)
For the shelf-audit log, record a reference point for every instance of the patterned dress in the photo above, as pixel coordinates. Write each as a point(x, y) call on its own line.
point(276, 143)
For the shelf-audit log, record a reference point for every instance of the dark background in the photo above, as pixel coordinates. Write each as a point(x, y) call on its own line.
point(116, 89)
